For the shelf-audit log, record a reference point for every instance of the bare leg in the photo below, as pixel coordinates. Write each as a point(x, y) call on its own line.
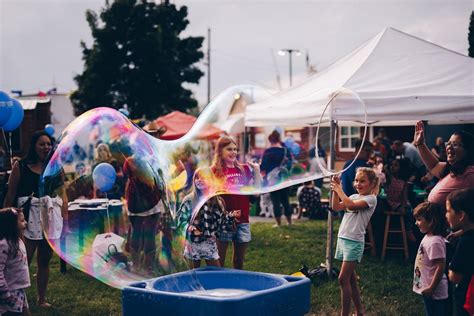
point(347, 269)
point(222, 249)
point(44, 256)
point(239, 254)
point(356, 295)
point(213, 263)
point(278, 220)
point(193, 264)
point(31, 246)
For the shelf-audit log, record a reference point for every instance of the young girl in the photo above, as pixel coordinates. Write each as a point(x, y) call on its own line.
point(203, 227)
point(234, 175)
point(430, 278)
point(14, 274)
point(350, 242)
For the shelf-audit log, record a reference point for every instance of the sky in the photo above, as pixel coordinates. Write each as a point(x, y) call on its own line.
point(40, 39)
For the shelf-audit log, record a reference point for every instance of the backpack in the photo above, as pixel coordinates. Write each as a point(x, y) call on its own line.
point(280, 173)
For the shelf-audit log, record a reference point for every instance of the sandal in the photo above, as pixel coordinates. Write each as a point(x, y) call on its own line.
point(44, 305)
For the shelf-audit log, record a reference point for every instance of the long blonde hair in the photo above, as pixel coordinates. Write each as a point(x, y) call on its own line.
point(218, 164)
point(373, 178)
point(106, 150)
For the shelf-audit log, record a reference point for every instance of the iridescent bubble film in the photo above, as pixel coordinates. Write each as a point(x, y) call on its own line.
point(118, 201)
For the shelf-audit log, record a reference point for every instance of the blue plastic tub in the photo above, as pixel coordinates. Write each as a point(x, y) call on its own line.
point(218, 291)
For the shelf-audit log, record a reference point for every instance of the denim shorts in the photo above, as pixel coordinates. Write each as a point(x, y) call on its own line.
point(241, 234)
point(349, 250)
point(206, 250)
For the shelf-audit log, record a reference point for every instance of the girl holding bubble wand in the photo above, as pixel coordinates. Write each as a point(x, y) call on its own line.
point(14, 273)
point(358, 209)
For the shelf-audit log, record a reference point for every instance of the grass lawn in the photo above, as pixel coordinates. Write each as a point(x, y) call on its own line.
point(386, 287)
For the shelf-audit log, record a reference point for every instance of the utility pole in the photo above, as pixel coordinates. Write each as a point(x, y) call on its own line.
point(290, 51)
point(208, 65)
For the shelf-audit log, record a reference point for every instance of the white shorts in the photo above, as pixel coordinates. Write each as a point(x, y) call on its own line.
point(196, 251)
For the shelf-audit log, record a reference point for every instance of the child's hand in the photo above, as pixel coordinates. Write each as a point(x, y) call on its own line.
point(193, 229)
point(427, 292)
point(235, 213)
point(336, 184)
point(8, 301)
point(254, 165)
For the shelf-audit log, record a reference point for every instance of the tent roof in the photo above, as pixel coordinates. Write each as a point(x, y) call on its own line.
point(178, 124)
point(398, 77)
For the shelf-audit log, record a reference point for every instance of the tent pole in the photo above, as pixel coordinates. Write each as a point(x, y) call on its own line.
point(329, 239)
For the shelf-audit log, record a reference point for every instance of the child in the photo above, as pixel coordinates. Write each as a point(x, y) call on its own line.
point(203, 227)
point(429, 277)
point(309, 199)
point(350, 241)
point(460, 216)
point(14, 274)
point(396, 189)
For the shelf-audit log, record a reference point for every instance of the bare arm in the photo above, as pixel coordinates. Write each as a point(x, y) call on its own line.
point(455, 277)
point(429, 159)
point(345, 201)
point(12, 186)
point(257, 176)
point(439, 271)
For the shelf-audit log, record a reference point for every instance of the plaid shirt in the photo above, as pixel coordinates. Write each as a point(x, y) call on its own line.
point(210, 221)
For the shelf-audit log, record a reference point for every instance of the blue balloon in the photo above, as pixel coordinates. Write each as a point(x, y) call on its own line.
point(104, 176)
point(5, 108)
point(124, 111)
point(16, 118)
point(49, 129)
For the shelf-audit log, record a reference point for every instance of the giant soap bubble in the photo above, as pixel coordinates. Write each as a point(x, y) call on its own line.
point(134, 227)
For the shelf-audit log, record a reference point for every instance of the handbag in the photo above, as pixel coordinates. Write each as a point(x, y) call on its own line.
point(279, 173)
point(26, 207)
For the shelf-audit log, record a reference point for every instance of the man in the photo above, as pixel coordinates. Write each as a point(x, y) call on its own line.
point(409, 151)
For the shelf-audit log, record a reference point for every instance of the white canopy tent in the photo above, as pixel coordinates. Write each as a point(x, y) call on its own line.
point(398, 76)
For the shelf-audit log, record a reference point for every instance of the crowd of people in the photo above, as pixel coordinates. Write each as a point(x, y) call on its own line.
point(449, 178)
point(395, 168)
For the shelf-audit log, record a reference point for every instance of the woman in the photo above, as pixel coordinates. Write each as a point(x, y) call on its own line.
point(143, 193)
point(102, 154)
point(457, 172)
point(274, 157)
point(24, 183)
point(234, 175)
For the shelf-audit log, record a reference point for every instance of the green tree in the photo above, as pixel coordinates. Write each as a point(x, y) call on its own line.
point(139, 59)
point(470, 36)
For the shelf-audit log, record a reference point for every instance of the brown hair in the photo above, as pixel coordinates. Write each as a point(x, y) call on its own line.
point(274, 137)
point(217, 161)
point(435, 215)
point(9, 227)
point(373, 178)
point(463, 200)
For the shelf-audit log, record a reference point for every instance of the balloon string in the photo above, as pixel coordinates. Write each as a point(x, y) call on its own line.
point(10, 145)
point(109, 230)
